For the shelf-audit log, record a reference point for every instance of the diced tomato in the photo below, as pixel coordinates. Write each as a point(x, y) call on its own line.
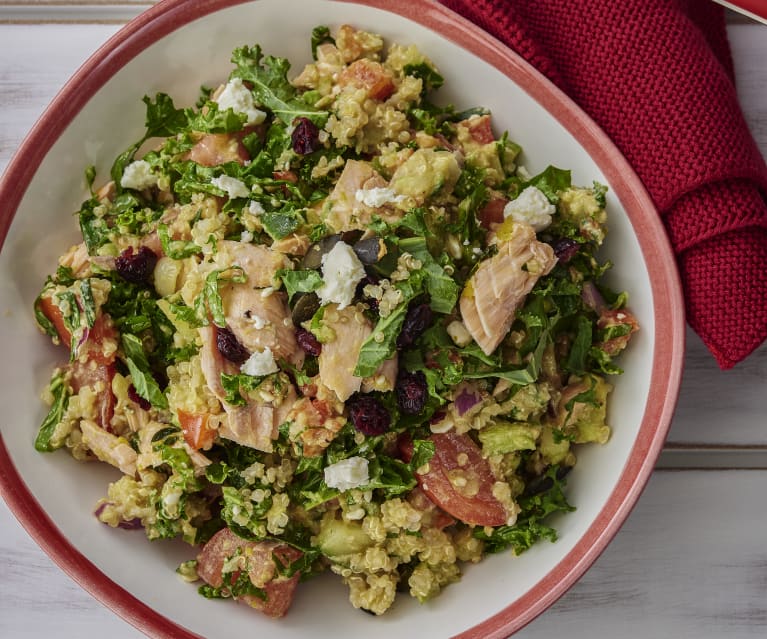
point(492, 212)
point(459, 480)
point(261, 565)
point(56, 317)
point(480, 129)
point(369, 75)
point(101, 330)
point(197, 433)
point(288, 176)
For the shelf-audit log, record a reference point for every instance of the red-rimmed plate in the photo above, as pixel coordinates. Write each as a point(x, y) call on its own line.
point(177, 46)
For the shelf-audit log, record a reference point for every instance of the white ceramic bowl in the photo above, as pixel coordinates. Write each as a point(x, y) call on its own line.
point(177, 46)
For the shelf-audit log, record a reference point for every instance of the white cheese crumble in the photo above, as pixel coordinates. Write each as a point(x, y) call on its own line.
point(347, 473)
point(260, 364)
point(138, 175)
point(237, 97)
point(530, 207)
point(255, 208)
point(377, 196)
point(231, 186)
point(341, 272)
point(246, 236)
point(258, 322)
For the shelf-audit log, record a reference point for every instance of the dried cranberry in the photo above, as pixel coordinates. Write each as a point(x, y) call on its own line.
point(135, 397)
point(368, 415)
point(411, 390)
point(565, 249)
point(308, 342)
point(229, 346)
point(417, 320)
point(305, 136)
point(136, 267)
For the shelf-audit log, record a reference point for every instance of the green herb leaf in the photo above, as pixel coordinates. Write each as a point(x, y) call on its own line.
point(141, 374)
point(374, 352)
point(430, 78)
point(442, 289)
point(320, 35)
point(209, 299)
point(280, 224)
point(300, 281)
point(268, 76)
point(61, 393)
point(551, 181)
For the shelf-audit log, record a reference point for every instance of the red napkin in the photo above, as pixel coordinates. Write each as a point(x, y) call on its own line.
point(657, 76)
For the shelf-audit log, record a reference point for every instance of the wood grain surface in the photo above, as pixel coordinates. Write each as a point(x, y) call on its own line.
point(691, 561)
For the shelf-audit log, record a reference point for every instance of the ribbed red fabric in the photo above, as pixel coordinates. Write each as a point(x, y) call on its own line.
point(657, 76)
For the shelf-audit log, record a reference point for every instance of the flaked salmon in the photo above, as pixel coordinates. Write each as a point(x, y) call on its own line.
point(259, 263)
point(338, 358)
point(347, 211)
point(500, 284)
point(260, 319)
point(254, 424)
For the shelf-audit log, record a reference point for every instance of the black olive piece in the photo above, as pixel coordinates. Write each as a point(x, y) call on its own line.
point(542, 483)
point(305, 307)
point(370, 250)
point(313, 258)
point(350, 237)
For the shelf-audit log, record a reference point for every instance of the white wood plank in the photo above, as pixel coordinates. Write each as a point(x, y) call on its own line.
point(721, 407)
point(689, 562)
point(31, 75)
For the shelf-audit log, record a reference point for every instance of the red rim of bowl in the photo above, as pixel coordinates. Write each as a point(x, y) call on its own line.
point(168, 16)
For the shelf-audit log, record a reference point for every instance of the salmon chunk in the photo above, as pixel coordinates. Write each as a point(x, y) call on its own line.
point(500, 284)
point(347, 212)
point(254, 424)
point(338, 358)
point(258, 262)
point(260, 319)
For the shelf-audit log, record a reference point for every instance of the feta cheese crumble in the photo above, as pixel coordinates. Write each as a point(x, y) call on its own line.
point(258, 322)
point(260, 364)
point(138, 175)
point(341, 272)
point(237, 97)
point(347, 474)
point(530, 207)
point(255, 208)
point(231, 186)
point(377, 196)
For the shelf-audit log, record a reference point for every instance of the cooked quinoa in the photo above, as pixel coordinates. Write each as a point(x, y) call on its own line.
point(326, 324)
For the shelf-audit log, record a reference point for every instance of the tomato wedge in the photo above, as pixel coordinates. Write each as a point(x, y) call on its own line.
point(197, 433)
point(262, 558)
point(492, 212)
point(480, 129)
point(459, 480)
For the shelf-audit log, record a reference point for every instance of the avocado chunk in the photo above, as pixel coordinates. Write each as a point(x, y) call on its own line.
point(338, 538)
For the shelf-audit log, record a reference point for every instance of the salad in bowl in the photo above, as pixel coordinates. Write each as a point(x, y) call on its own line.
point(321, 323)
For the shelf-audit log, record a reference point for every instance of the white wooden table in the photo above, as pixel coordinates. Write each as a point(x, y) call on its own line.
point(691, 560)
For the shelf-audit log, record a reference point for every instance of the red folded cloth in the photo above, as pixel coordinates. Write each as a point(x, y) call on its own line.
point(657, 76)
